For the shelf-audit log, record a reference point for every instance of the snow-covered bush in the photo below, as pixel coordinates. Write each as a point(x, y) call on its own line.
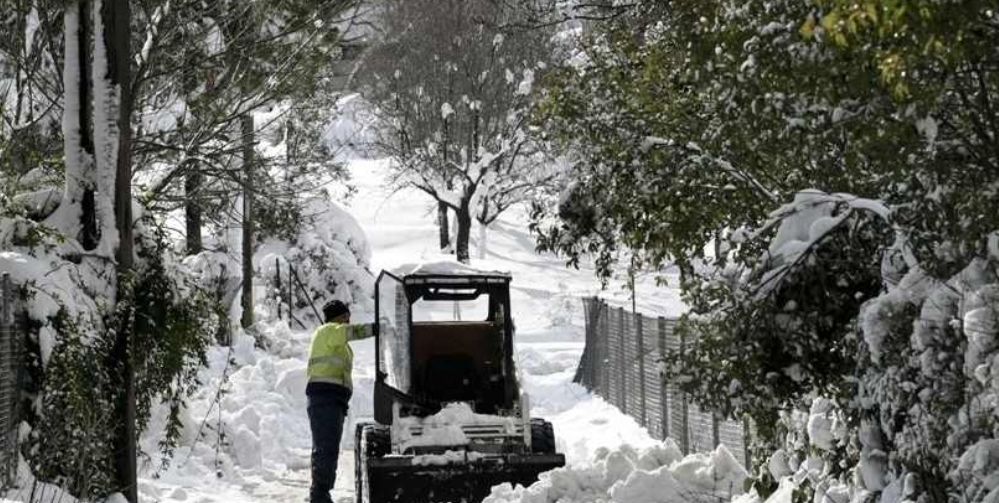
point(866, 375)
point(330, 256)
point(926, 389)
point(774, 335)
point(70, 398)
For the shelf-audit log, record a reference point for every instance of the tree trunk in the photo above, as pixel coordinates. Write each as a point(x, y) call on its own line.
point(89, 235)
point(116, 17)
point(192, 211)
point(444, 227)
point(483, 234)
point(483, 219)
point(464, 218)
point(248, 223)
point(445, 236)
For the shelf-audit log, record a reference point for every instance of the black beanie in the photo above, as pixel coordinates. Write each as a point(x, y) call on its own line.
point(334, 309)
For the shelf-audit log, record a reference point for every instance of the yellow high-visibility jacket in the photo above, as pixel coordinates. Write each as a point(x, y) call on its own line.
point(330, 357)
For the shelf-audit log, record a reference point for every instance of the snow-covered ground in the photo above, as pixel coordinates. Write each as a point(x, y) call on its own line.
point(264, 455)
point(247, 437)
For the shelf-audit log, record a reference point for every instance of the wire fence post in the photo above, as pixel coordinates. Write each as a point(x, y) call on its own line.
point(10, 345)
point(684, 408)
point(622, 363)
point(641, 369)
point(608, 369)
point(586, 372)
point(715, 433)
point(664, 386)
point(605, 370)
point(5, 390)
point(280, 288)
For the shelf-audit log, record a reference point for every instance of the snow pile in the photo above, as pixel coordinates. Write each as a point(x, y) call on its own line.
point(29, 489)
point(248, 422)
point(444, 428)
point(445, 267)
point(448, 458)
point(655, 474)
point(456, 413)
point(331, 258)
point(537, 362)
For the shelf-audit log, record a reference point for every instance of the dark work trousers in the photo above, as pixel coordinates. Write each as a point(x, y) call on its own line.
point(326, 416)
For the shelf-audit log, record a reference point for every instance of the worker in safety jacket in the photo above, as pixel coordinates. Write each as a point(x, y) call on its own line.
point(328, 392)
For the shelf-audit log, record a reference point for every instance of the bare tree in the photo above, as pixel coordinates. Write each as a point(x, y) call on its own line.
point(451, 92)
point(254, 55)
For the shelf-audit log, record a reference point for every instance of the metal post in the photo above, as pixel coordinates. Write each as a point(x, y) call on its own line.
point(663, 384)
point(586, 368)
point(294, 275)
point(641, 368)
point(8, 383)
point(582, 369)
point(280, 295)
point(5, 372)
point(715, 433)
point(605, 363)
point(684, 410)
point(289, 297)
point(592, 375)
point(622, 358)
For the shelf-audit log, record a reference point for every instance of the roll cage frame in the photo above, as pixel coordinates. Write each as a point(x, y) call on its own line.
point(441, 287)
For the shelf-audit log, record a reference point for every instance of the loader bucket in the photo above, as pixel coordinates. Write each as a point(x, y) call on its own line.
point(404, 479)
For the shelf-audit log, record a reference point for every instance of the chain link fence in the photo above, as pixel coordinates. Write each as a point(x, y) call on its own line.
point(621, 362)
point(11, 337)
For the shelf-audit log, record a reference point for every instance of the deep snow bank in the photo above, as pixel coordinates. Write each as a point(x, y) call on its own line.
point(247, 426)
point(655, 474)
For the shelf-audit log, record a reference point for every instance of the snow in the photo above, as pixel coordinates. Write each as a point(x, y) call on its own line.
point(929, 129)
point(445, 267)
point(652, 141)
point(820, 425)
point(246, 436)
point(77, 163)
point(448, 458)
point(446, 111)
point(444, 428)
point(653, 474)
point(348, 133)
point(455, 413)
point(527, 84)
point(811, 216)
point(266, 457)
point(778, 465)
point(795, 232)
point(447, 435)
point(106, 98)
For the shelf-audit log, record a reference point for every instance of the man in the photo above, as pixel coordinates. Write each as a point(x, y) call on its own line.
point(329, 391)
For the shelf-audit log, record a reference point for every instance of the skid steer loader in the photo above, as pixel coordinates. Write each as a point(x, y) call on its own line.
point(450, 419)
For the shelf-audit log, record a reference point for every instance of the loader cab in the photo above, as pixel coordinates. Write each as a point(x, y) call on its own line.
point(443, 335)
